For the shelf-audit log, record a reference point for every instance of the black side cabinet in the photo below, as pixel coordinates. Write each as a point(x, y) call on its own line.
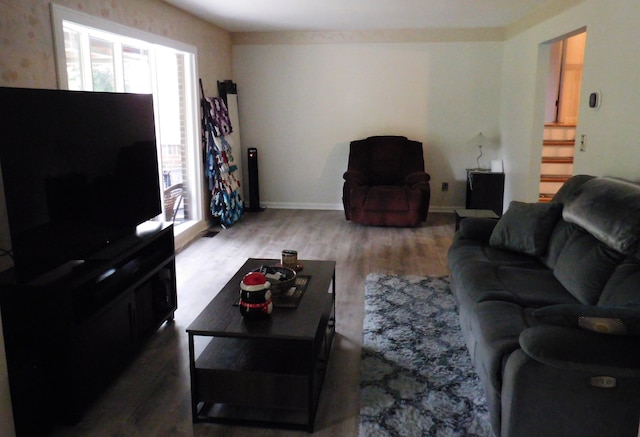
point(485, 190)
point(69, 332)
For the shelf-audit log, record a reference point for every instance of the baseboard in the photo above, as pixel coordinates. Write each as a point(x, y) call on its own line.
point(185, 234)
point(338, 206)
point(291, 205)
point(444, 209)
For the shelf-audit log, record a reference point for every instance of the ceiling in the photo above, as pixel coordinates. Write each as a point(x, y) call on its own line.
point(326, 15)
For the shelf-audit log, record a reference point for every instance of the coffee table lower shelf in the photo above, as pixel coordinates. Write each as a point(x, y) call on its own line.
point(263, 417)
point(260, 382)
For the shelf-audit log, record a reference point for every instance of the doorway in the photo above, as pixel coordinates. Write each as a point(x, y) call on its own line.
point(561, 113)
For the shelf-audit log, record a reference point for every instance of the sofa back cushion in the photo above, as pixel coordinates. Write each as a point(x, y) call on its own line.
point(609, 209)
point(623, 288)
point(386, 160)
point(585, 265)
point(571, 188)
point(560, 234)
point(562, 230)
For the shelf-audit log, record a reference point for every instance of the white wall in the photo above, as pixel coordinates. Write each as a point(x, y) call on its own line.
point(611, 66)
point(301, 105)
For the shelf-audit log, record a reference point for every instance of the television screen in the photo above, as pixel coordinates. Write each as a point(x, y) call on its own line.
point(80, 171)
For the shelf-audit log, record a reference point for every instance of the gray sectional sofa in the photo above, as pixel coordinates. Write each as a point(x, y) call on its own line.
point(549, 304)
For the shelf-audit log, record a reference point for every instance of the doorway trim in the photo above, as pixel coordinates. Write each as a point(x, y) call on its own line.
point(537, 133)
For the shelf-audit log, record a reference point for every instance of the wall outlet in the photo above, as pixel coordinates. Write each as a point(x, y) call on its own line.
point(445, 186)
point(583, 143)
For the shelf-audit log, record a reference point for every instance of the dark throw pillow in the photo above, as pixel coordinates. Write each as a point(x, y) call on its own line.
point(619, 320)
point(526, 227)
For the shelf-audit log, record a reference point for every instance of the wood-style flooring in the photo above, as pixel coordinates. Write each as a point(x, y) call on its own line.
point(152, 396)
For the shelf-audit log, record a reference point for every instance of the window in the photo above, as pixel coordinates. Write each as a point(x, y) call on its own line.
point(97, 55)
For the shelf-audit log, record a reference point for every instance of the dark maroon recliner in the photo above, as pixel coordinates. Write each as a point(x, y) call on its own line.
point(385, 182)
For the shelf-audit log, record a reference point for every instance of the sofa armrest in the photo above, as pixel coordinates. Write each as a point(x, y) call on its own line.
point(617, 320)
point(576, 349)
point(417, 177)
point(474, 228)
point(356, 177)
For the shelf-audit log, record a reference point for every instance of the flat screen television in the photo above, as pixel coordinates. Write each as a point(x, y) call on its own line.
point(80, 172)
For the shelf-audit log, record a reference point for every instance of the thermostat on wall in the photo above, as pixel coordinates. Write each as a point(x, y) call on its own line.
point(594, 100)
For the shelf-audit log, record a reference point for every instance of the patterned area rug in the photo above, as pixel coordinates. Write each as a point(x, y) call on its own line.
point(417, 378)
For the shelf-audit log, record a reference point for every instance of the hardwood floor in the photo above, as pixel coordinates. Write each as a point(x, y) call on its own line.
point(152, 396)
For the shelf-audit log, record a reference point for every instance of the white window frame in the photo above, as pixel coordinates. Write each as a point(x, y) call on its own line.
point(59, 14)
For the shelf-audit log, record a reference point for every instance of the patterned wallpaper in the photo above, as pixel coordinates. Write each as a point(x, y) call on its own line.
point(26, 51)
point(369, 36)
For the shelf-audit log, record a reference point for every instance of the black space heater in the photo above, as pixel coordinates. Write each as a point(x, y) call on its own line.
point(254, 187)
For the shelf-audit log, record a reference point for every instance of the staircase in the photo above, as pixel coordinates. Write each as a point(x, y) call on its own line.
point(557, 158)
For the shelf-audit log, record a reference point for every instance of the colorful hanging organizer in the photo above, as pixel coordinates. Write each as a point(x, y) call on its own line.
point(226, 202)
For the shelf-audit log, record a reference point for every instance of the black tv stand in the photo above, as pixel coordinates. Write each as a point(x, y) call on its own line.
point(69, 332)
point(116, 248)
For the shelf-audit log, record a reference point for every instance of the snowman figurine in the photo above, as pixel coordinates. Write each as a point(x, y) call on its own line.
point(255, 296)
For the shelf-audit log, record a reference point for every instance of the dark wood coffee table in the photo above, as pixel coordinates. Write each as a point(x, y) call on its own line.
point(266, 372)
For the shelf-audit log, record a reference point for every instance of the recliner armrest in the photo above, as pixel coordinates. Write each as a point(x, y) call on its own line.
point(417, 177)
point(356, 177)
point(576, 349)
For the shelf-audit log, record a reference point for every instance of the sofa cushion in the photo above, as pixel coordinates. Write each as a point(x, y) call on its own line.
point(561, 233)
point(532, 287)
point(571, 188)
point(585, 265)
point(464, 251)
point(526, 227)
point(609, 209)
point(386, 198)
point(620, 320)
point(624, 285)
point(495, 328)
